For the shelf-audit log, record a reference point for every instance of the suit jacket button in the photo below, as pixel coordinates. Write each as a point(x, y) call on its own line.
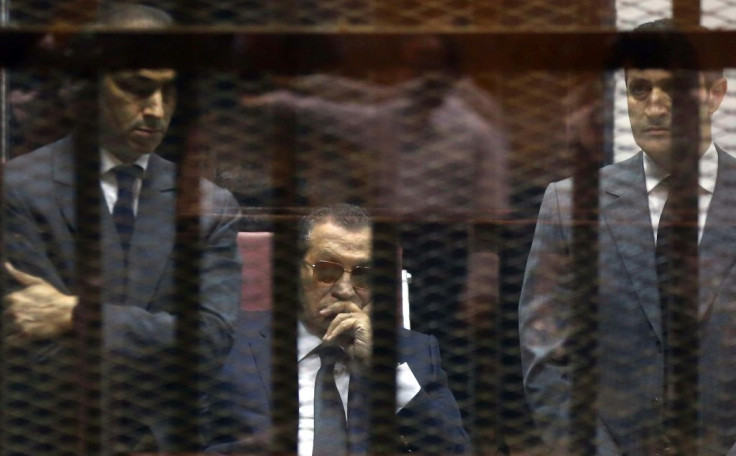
point(405, 444)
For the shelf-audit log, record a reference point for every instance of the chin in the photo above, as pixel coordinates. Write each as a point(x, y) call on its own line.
point(656, 149)
point(141, 149)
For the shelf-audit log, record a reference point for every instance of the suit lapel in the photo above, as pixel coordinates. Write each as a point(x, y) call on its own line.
point(64, 182)
point(260, 345)
point(719, 234)
point(111, 252)
point(625, 213)
point(154, 231)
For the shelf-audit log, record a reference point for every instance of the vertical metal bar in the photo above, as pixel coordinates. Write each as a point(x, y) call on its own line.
point(88, 314)
point(516, 427)
point(582, 342)
point(284, 355)
point(188, 361)
point(686, 12)
point(486, 428)
point(680, 317)
point(188, 358)
point(384, 318)
point(4, 107)
point(4, 142)
point(283, 12)
point(286, 301)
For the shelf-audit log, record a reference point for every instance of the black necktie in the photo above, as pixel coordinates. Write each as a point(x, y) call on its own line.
point(665, 234)
point(122, 212)
point(664, 245)
point(330, 427)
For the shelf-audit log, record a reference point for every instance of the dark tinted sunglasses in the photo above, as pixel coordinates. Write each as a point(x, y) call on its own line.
point(329, 273)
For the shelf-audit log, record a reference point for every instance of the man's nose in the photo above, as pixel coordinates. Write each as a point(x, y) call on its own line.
point(153, 106)
point(343, 288)
point(658, 104)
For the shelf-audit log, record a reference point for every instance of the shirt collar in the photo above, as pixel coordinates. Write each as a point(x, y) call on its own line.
point(306, 341)
point(108, 161)
point(708, 165)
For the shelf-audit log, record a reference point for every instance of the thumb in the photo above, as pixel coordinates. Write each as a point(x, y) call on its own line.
point(22, 277)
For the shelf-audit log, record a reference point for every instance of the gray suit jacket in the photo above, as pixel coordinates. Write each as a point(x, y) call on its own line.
point(631, 359)
point(139, 312)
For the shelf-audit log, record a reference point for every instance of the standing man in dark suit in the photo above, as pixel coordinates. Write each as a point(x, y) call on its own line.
point(335, 316)
point(631, 347)
point(138, 196)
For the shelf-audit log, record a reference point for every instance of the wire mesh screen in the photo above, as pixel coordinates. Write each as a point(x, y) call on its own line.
point(387, 106)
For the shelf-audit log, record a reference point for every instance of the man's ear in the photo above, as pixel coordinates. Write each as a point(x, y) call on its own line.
point(716, 93)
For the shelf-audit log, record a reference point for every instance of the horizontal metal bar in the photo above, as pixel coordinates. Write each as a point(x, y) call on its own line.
point(270, 49)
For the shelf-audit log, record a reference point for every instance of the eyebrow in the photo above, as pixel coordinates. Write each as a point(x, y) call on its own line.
point(652, 81)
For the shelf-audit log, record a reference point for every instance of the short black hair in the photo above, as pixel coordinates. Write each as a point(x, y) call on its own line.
point(111, 14)
point(348, 216)
point(664, 46)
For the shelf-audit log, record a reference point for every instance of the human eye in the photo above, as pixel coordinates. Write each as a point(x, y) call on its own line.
point(639, 89)
point(169, 90)
point(139, 87)
point(361, 276)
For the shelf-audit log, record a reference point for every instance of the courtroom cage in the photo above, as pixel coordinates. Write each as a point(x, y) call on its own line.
point(445, 119)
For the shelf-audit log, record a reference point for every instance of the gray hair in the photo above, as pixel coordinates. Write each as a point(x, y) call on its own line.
point(348, 216)
point(132, 15)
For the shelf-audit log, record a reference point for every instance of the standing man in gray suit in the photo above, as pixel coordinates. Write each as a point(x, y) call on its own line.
point(631, 392)
point(139, 202)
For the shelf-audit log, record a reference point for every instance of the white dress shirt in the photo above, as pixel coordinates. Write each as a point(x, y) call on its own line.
point(654, 174)
point(407, 386)
point(109, 183)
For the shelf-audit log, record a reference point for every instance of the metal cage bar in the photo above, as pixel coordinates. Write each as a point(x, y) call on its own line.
point(489, 371)
point(680, 313)
point(584, 306)
point(504, 50)
point(188, 363)
point(4, 145)
point(501, 55)
point(382, 430)
point(285, 296)
point(88, 314)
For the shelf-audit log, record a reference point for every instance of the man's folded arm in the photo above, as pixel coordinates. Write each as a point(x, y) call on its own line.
point(133, 331)
point(128, 330)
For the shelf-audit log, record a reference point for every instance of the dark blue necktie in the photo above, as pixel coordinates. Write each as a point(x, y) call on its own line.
point(122, 212)
point(665, 234)
point(664, 245)
point(330, 427)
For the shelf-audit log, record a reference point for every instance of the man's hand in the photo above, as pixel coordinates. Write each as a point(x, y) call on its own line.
point(351, 328)
point(38, 311)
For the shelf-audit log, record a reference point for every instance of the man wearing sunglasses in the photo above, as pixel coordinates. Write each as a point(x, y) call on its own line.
point(334, 329)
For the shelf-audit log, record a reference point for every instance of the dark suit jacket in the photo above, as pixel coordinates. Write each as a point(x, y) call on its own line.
point(631, 361)
point(139, 312)
point(241, 411)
